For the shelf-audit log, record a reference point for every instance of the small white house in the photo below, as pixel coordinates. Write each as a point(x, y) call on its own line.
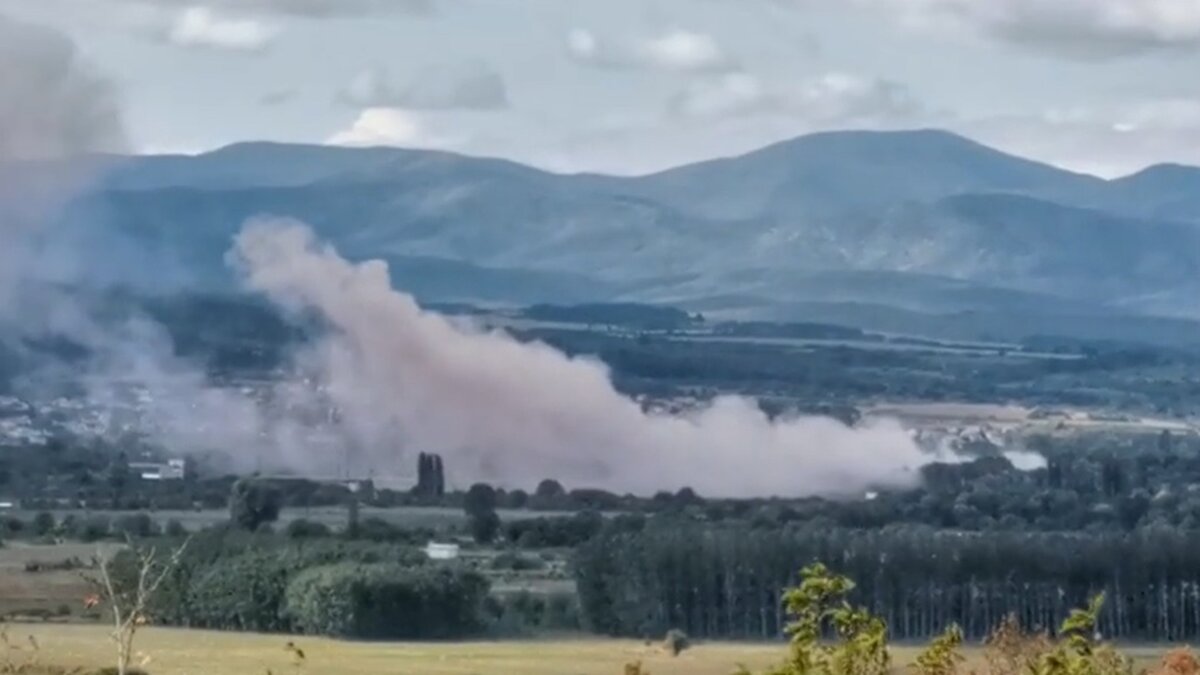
point(174, 469)
point(437, 551)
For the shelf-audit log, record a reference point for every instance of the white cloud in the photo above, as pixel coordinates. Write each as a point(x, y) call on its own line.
point(202, 27)
point(1075, 28)
point(303, 8)
point(392, 126)
point(1106, 141)
point(730, 94)
point(827, 100)
point(684, 50)
point(674, 50)
point(470, 85)
point(838, 97)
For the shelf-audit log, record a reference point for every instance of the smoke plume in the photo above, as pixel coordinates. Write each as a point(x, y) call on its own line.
point(53, 105)
point(402, 380)
point(512, 413)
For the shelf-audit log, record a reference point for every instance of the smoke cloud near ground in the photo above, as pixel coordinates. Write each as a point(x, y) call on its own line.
point(511, 412)
point(401, 380)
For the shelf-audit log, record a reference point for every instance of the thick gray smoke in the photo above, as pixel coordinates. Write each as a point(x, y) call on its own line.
point(401, 380)
point(509, 412)
point(53, 106)
point(57, 114)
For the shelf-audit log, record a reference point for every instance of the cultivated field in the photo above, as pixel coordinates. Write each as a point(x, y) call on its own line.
point(184, 652)
point(61, 586)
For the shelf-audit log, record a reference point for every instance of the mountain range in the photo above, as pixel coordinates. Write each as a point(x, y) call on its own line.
point(848, 224)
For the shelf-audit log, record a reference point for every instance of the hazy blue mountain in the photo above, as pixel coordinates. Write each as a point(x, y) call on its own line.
point(921, 221)
point(854, 172)
point(1163, 190)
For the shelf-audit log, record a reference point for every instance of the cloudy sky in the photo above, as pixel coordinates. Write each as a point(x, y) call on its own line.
point(630, 86)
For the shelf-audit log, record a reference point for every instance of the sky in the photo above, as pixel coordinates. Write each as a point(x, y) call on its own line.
point(634, 86)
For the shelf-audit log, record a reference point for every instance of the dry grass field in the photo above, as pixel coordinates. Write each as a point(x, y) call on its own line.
point(185, 652)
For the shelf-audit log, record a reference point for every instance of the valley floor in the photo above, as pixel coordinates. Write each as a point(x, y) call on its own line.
point(187, 652)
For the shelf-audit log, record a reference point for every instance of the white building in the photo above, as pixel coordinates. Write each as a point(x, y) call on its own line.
point(437, 551)
point(173, 469)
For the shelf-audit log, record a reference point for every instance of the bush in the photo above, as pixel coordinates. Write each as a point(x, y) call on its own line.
point(244, 592)
point(480, 499)
point(386, 601)
point(380, 530)
point(93, 529)
point(484, 527)
point(564, 532)
point(517, 562)
point(526, 613)
point(517, 499)
point(306, 529)
point(254, 503)
point(12, 525)
point(137, 526)
point(43, 524)
point(675, 642)
point(233, 580)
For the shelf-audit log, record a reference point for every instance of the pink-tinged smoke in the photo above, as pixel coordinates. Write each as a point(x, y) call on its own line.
point(512, 413)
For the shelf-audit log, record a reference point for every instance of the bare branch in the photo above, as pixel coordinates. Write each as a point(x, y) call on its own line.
point(129, 613)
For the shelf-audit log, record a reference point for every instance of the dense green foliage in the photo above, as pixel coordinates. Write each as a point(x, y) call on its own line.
point(831, 636)
point(386, 601)
point(726, 581)
point(818, 608)
point(232, 580)
point(480, 507)
point(431, 476)
point(254, 503)
point(557, 532)
point(526, 613)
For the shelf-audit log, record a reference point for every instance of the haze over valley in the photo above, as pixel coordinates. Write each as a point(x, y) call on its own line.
point(580, 336)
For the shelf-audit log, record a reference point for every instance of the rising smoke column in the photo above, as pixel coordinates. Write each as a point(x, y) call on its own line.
point(512, 412)
point(53, 106)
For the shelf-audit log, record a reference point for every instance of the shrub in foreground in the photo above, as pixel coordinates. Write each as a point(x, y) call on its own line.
point(819, 609)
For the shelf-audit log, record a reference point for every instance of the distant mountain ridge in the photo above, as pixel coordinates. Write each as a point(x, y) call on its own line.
point(924, 221)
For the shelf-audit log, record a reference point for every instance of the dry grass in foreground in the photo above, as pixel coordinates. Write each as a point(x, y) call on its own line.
point(189, 652)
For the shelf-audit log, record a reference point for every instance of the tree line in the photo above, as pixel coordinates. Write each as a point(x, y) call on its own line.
point(726, 582)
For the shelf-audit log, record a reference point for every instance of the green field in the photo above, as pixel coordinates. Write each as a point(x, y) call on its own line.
point(185, 652)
